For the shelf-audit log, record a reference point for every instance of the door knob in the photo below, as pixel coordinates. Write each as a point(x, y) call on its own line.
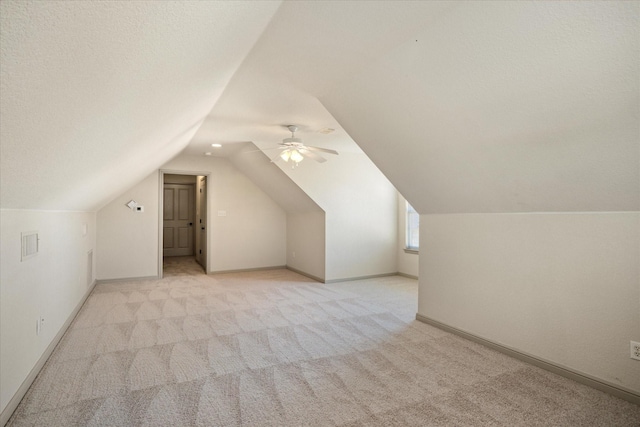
point(190, 224)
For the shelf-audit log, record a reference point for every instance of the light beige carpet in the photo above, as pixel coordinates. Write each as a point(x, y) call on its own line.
point(275, 348)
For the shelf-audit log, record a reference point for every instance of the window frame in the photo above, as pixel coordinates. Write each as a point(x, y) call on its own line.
point(412, 229)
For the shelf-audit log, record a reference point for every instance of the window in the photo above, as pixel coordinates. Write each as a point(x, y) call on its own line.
point(413, 229)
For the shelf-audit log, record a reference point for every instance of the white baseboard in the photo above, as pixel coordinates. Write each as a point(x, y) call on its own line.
point(350, 279)
point(126, 279)
point(246, 270)
point(302, 273)
point(24, 387)
point(580, 377)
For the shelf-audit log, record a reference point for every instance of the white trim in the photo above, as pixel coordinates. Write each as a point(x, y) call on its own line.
point(534, 213)
point(126, 279)
point(247, 270)
point(351, 279)
point(160, 221)
point(410, 211)
point(24, 387)
point(302, 273)
point(580, 377)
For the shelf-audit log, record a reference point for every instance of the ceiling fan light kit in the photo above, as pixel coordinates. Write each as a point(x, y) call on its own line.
point(292, 154)
point(296, 151)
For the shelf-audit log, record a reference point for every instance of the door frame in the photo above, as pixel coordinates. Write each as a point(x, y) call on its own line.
point(161, 174)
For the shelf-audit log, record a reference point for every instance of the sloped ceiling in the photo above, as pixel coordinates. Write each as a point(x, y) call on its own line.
point(306, 50)
point(256, 166)
point(506, 107)
point(96, 95)
point(465, 106)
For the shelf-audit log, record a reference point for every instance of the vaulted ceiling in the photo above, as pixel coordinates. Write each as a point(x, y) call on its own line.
point(96, 95)
point(465, 106)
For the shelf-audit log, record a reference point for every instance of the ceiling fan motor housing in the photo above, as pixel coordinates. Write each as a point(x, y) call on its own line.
point(292, 141)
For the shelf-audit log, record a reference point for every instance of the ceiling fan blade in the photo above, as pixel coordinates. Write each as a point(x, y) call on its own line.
point(276, 158)
point(261, 149)
point(324, 150)
point(306, 153)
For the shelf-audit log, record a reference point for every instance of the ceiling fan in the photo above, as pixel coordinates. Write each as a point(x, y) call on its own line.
point(293, 149)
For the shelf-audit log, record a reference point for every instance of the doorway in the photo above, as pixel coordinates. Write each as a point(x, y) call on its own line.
point(184, 218)
point(179, 216)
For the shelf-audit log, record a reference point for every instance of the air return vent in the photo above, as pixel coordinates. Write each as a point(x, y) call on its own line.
point(29, 244)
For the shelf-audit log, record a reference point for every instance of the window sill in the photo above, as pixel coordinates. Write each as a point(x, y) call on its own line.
point(410, 251)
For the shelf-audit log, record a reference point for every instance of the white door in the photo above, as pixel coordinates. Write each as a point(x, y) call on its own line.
point(201, 256)
point(178, 220)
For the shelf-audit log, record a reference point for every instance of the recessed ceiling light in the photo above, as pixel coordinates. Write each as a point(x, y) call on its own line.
point(216, 145)
point(208, 153)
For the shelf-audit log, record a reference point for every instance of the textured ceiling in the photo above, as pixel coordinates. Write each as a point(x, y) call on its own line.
point(465, 106)
point(96, 95)
point(506, 107)
point(307, 49)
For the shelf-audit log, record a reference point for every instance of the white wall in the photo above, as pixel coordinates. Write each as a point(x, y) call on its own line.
point(306, 243)
point(563, 287)
point(361, 215)
point(252, 234)
point(305, 220)
point(490, 120)
point(356, 201)
point(128, 240)
point(346, 198)
point(407, 261)
point(361, 218)
point(51, 285)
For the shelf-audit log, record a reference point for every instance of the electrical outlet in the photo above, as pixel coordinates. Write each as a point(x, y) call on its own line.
point(635, 350)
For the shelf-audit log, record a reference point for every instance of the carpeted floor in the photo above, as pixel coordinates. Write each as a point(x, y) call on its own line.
point(275, 348)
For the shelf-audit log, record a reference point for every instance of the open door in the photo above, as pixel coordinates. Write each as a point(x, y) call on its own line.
point(201, 222)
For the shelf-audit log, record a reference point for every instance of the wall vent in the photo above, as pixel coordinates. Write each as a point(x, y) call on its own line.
point(29, 245)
